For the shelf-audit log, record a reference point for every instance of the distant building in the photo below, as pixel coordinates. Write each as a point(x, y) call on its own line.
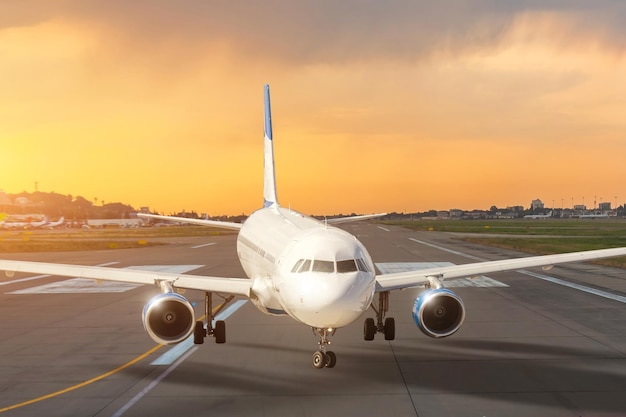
point(456, 213)
point(605, 206)
point(580, 207)
point(536, 204)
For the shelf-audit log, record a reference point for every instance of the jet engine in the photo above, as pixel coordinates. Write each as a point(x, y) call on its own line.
point(438, 312)
point(168, 318)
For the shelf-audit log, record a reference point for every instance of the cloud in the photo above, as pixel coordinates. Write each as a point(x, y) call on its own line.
point(326, 31)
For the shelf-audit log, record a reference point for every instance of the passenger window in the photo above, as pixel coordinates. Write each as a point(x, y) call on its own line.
point(346, 266)
point(297, 265)
point(323, 266)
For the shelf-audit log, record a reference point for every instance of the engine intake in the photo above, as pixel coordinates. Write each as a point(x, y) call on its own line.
point(438, 312)
point(168, 318)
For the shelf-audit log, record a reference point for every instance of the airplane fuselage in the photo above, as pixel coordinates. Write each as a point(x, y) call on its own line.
point(320, 275)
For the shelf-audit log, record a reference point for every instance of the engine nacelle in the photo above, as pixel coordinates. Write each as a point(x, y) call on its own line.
point(168, 318)
point(438, 312)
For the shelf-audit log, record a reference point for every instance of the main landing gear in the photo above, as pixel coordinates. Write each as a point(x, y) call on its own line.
point(219, 331)
point(323, 358)
point(387, 326)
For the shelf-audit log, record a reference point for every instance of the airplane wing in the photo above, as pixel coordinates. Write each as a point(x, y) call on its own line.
point(420, 277)
point(202, 222)
point(235, 286)
point(339, 220)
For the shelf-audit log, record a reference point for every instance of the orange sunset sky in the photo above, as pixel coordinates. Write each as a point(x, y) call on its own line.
point(377, 105)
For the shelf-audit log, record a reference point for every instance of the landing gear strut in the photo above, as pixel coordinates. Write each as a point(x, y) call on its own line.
point(219, 331)
point(323, 358)
point(387, 326)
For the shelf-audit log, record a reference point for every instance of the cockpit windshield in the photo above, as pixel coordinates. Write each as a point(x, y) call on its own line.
point(341, 267)
point(323, 266)
point(346, 266)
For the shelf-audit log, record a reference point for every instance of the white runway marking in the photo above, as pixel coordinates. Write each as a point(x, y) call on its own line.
point(481, 281)
point(554, 280)
point(15, 281)
point(579, 287)
point(79, 286)
point(465, 255)
point(153, 384)
point(382, 228)
point(90, 286)
point(202, 246)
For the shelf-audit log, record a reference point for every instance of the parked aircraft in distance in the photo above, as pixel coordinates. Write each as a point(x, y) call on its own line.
point(594, 216)
point(320, 275)
point(539, 216)
point(23, 225)
point(52, 225)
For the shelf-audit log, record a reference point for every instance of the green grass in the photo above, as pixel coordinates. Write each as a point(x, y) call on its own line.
point(540, 237)
point(527, 227)
point(96, 239)
point(65, 246)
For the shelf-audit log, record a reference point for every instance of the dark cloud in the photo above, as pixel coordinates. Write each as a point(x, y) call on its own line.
point(329, 31)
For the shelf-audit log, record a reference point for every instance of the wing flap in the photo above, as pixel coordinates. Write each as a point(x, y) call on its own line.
point(401, 280)
point(236, 286)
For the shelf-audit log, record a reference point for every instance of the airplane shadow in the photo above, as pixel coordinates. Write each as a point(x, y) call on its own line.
point(484, 368)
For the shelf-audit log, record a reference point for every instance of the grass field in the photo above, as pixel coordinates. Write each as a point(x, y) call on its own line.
point(535, 236)
point(95, 239)
point(531, 236)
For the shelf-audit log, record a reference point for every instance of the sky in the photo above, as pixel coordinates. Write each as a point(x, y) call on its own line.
point(377, 106)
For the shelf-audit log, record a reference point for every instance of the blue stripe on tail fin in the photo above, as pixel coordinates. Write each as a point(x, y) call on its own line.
point(269, 172)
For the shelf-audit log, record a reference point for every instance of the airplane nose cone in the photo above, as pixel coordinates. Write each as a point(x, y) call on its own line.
point(329, 302)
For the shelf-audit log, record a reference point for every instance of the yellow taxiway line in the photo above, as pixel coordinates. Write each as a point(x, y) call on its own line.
point(82, 384)
point(90, 381)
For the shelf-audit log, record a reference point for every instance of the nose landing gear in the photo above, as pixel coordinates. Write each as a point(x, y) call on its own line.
point(323, 358)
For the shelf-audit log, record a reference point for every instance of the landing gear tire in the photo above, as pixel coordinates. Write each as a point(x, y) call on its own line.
point(199, 333)
point(390, 328)
point(331, 359)
point(319, 361)
point(369, 329)
point(324, 359)
point(220, 331)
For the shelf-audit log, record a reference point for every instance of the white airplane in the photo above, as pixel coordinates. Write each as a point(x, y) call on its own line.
point(52, 225)
point(319, 275)
point(539, 216)
point(24, 225)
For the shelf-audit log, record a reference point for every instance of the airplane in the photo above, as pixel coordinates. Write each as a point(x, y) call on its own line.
point(52, 225)
point(25, 225)
point(539, 216)
point(320, 275)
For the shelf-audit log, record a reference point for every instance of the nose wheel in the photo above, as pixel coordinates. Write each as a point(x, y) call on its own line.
point(323, 358)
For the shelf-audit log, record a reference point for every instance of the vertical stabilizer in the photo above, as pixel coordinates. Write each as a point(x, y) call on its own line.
point(269, 172)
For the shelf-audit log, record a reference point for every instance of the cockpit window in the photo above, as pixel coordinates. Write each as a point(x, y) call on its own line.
point(349, 265)
point(297, 265)
point(306, 266)
point(362, 265)
point(346, 266)
point(323, 266)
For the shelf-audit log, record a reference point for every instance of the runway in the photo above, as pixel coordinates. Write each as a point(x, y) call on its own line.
point(529, 347)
